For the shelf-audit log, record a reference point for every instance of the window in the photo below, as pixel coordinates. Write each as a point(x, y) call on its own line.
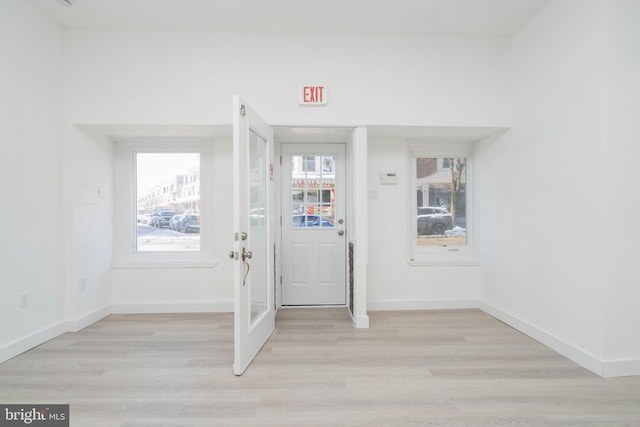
point(168, 202)
point(162, 216)
point(441, 201)
point(309, 163)
point(440, 214)
point(313, 194)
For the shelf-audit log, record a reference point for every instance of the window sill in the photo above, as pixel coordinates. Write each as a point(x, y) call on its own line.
point(163, 264)
point(444, 262)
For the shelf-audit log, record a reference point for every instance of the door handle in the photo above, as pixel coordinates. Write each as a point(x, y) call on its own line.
point(340, 232)
point(245, 255)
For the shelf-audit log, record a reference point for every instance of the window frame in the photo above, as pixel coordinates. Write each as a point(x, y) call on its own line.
point(440, 255)
point(125, 253)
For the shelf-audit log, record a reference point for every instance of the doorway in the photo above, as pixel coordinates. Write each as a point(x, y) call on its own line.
point(313, 224)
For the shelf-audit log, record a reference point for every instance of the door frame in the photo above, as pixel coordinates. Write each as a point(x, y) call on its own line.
point(355, 140)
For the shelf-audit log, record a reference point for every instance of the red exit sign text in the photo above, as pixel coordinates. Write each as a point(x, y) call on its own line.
point(313, 95)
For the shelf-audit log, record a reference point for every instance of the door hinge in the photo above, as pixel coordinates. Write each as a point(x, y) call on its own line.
point(243, 110)
point(280, 160)
point(280, 280)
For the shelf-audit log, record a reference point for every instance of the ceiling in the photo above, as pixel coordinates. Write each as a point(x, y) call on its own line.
point(401, 17)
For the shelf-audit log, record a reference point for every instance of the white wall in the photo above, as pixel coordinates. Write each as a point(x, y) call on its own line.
point(89, 181)
point(622, 176)
point(188, 78)
point(393, 283)
point(188, 289)
point(31, 246)
point(551, 190)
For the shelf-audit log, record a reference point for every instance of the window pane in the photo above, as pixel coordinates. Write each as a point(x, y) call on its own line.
point(257, 229)
point(309, 163)
point(441, 201)
point(168, 202)
point(312, 191)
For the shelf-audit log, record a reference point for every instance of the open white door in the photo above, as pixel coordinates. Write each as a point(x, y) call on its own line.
point(254, 308)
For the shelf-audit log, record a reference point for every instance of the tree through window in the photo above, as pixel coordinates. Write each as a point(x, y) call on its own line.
point(441, 201)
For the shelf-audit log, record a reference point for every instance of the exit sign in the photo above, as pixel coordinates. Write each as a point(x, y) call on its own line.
point(313, 95)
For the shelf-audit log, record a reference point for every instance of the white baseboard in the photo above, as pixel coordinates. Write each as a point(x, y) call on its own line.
point(197, 306)
point(361, 321)
point(621, 368)
point(570, 351)
point(19, 346)
point(77, 324)
point(431, 304)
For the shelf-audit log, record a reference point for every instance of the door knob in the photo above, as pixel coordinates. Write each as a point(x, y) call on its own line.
point(246, 254)
point(232, 255)
point(340, 232)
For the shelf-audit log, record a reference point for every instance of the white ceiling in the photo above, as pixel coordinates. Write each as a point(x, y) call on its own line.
point(416, 17)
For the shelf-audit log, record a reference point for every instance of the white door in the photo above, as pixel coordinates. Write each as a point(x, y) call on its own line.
point(254, 308)
point(313, 224)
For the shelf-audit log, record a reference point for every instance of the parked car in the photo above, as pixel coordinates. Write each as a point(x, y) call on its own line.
point(189, 223)
point(175, 221)
point(433, 220)
point(162, 218)
point(310, 221)
point(154, 218)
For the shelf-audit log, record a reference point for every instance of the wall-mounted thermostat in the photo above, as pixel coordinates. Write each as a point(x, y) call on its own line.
point(388, 178)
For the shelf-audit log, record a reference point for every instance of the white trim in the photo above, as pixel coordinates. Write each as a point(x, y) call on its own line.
point(79, 323)
point(418, 255)
point(361, 322)
point(21, 345)
point(186, 306)
point(360, 229)
point(463, 261)
point(436, 149)
point(621, 368)
point(37, 338)
point(125, 254)
point(122, 265)
point(430, 304)
point(568, 350)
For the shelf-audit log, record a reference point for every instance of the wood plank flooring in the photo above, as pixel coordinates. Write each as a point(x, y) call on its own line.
point(411, 368)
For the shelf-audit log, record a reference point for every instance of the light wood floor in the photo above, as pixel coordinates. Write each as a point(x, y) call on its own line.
point(411, 368)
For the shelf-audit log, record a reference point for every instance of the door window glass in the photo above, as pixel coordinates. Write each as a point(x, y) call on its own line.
point(257, 225)
point(313, 192)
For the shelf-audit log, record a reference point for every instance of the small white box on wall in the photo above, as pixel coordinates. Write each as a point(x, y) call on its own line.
point(388, 178)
